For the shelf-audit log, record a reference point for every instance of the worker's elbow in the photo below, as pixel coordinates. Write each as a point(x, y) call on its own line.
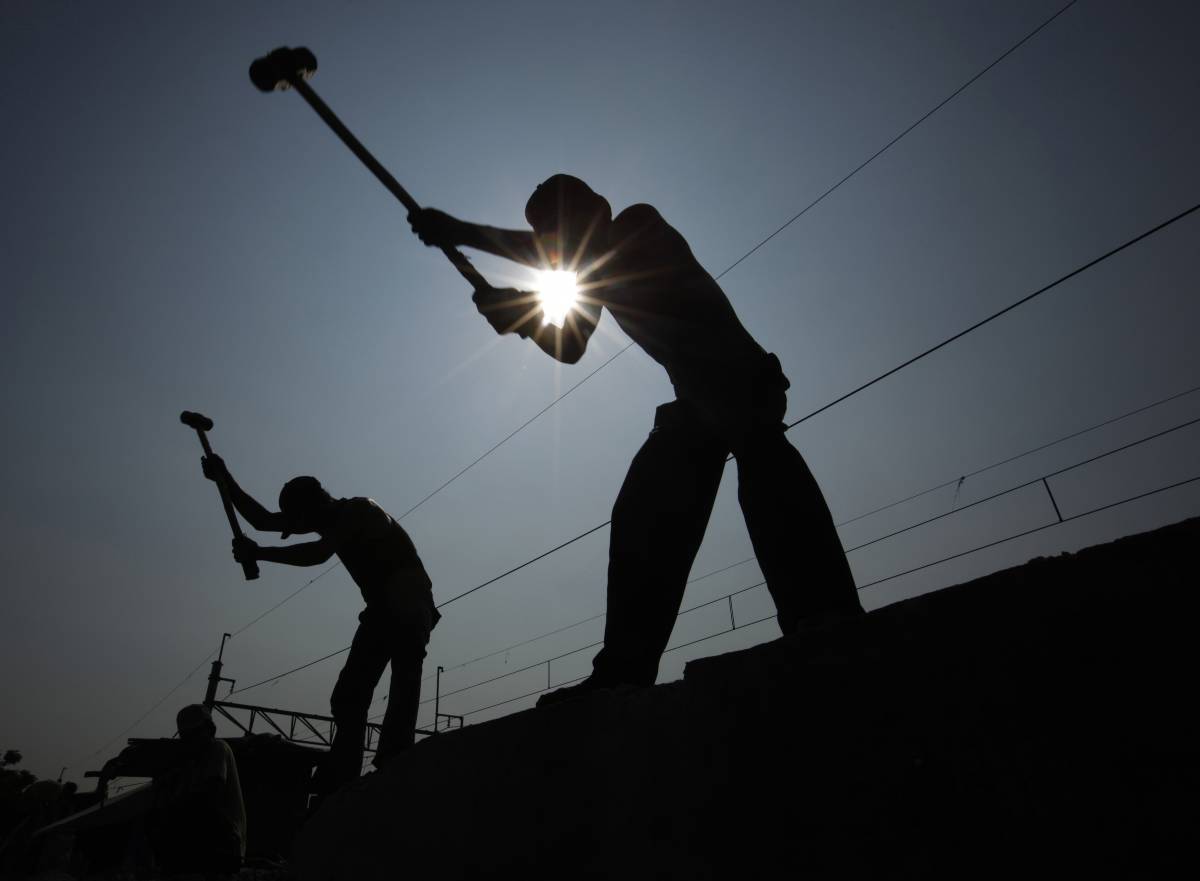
point(572, 344)
point(570, 354)
point(323, 551)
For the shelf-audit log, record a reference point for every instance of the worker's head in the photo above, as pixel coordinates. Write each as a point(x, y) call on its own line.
point(567, 214)
point(194, 722)
point(303, 502)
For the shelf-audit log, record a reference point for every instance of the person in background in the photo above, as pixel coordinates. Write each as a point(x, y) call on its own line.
point(198, 823)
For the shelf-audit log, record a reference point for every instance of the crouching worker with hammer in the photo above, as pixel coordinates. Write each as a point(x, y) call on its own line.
point(394, 627)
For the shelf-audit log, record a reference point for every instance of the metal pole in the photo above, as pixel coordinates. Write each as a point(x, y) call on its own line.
point(1054, 503)
point(437, 698)
point(214, 675)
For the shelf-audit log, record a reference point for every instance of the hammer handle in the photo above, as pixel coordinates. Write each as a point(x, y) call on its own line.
point(456, 258)
point(250, 567)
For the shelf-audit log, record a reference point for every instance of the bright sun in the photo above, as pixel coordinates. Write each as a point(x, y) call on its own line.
point(557, 294)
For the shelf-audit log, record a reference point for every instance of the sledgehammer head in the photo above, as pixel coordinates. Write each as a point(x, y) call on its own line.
point(198, 421)
point(273, 70)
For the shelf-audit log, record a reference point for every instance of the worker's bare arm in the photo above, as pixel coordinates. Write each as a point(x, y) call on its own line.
point(439, 229)
point(255, 514)
point(309, 553)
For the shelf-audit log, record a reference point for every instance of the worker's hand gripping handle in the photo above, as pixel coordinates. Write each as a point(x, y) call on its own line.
point(202, 424)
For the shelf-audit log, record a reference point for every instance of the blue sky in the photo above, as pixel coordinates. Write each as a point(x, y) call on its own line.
point(174, 239)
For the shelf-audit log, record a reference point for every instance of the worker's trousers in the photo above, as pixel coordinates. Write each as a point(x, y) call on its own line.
point(662, 511)
point(383, 637)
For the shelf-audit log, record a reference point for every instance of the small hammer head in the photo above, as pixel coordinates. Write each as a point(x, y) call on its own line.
point(272, 71)
point(198, 421)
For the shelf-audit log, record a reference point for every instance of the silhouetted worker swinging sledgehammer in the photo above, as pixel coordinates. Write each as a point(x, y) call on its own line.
point(394, 627)
point(730, 397)
point(203, 424)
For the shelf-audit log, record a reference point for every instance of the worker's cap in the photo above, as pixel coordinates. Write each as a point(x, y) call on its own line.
point(298, 500)
point(564, 198)
point(194, 717)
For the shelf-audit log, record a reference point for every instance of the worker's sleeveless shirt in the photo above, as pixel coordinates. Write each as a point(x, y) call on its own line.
point(380, 557)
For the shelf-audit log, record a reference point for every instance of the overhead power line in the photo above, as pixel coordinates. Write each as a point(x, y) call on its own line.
point(1009, 51)
point(1028, 483)
point(512, 434)
point(962, 333)
point(1066, 437)
point(540, 556)
point(286, 599)
point(291, 671)
point(1073, 517)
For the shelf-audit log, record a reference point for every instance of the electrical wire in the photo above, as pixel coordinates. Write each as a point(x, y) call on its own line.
point(286, 599)
point(1001, 541)
point(290, 672)
point(1066, 437)
point(1045, 288)
point(1028, 484)
point(513, 433)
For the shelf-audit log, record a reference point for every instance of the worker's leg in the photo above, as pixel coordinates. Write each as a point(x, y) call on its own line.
point(790, 526)
point(410, 635)
point(792, 531)
point(658, 523)
point(351, 698)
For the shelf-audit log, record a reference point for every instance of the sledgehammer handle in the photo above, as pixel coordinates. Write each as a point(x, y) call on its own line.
point(250, 567)
point(461, 263)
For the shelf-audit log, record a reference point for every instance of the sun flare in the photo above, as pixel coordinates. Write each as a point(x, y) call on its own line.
point(557, 294)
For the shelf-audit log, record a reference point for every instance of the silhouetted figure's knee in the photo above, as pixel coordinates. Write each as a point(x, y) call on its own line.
point(350, 701)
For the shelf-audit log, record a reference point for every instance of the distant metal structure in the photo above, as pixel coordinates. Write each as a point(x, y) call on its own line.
point(297, 727)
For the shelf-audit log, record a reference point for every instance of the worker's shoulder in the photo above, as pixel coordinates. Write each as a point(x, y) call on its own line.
point(642, 227)
point(366, 510)
point(639, 215)
point(360, 505)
